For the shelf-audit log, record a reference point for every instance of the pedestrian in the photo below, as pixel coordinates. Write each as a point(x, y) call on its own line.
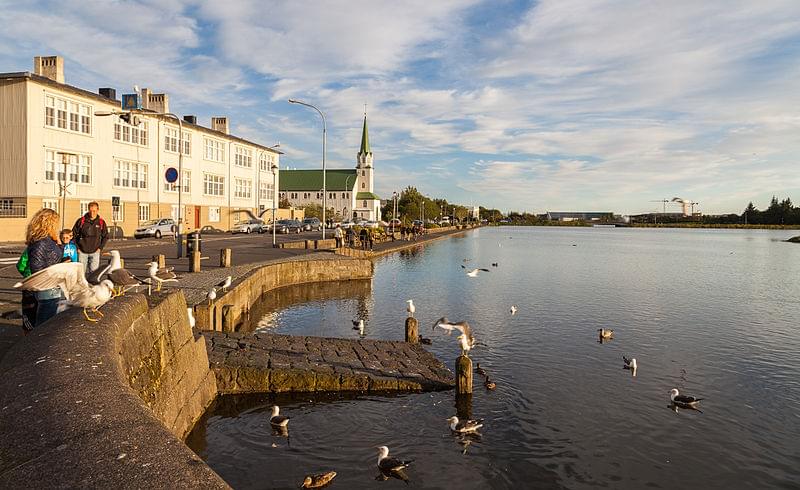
point(370, 239)
point(44, 251)
point(337, 235)
point(363, 237)
point(91, 235)
point(70, 249)
point(351, 237)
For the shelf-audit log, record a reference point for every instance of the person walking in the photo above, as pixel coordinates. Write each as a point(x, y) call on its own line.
point(90, 234)
point(362, 235)
point(337, 235)
point(43, 250)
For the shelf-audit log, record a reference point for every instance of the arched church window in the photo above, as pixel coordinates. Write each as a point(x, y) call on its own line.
point(363, 185)
point(364, 204)
point(363, 173)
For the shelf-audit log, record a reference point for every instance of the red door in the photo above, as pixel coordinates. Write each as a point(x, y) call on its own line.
point(197, 217)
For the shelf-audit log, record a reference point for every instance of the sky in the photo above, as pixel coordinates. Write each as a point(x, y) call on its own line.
point(559, 105)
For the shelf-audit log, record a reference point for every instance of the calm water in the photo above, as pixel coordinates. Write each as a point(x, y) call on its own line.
point(712, 313)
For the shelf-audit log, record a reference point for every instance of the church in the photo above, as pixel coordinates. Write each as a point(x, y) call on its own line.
point(350, 191)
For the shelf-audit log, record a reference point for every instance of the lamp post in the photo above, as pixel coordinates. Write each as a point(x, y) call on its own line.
point(324, 145)
point(394, 211)
point(63, 185)
point(178, 235)
point(274, 196)
point(259, 154)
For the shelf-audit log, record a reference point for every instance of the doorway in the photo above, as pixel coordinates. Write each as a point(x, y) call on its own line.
point(197, 217)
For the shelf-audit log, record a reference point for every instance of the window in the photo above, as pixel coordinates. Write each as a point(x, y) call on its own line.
point(364, 204)
point(363, 173)
point(263, 162)
point(215, 150)
point(132, 175)
point(117, 213)
point(50, 204)
point(84, 207)
point(79, 167)
point(243, 157)
point(363, 185)
point(343, 195)
point(242, 188)
point(267, 191)
point(126, 133)
point(214, 185)
point(213, 214)
point(144, 212)
point(171, 141)
point(187, 181)
point(67, 114)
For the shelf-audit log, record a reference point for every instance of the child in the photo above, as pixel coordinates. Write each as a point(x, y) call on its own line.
point(70, 249)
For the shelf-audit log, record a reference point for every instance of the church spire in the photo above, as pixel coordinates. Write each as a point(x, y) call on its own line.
point(365, 138)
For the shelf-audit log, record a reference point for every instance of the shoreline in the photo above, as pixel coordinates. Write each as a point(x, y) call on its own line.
point(731, 226)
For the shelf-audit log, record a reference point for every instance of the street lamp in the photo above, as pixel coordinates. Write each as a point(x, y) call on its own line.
point(178, 235)
point(63, 184)
point(324, 144)
point(394, 211)
point(274, 196)
point(259, 154)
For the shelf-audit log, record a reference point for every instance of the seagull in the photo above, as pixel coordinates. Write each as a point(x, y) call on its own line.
point(97, 275)
point(449, 326)
point(278, 420)
point(683, 400)
point(464, 426)
point(359, 325)
point(467, 343)
point(225, 284)
point(121, 278)
point(160, 276)
point(474, 272)
point(411, 308)
point(480, 370)
point(629, 363)
point(605, 333)
point(513, 310)
point(318, 481)
point(392, 466)
point(211, 295)
point(190, 313)
point(495, 264)
point(489, 384)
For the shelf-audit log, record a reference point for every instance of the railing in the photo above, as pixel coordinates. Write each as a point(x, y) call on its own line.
point(13, 210)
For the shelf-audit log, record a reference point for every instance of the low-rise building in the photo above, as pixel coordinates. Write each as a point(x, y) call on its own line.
point(578, 216)
point(57, 152)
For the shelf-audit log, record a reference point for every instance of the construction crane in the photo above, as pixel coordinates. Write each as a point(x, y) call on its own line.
point(664, 202)
point(687, 205)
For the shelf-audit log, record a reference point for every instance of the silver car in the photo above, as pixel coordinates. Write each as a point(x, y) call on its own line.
point(155, 228)
point(248, 226)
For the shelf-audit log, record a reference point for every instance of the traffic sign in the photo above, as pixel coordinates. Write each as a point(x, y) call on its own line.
point(131, 102)
point(171, 175)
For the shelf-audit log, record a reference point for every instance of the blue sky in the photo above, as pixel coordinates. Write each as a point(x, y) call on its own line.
point(550, 105)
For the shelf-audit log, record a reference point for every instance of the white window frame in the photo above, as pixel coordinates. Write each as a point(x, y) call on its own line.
point(187, 183)
point(66, 114)
point(243, 156)
point(79, 168)
point(171, 141)
point(84, 207)
point(118, 213)
point(50, 204)
point(266, 191)
point(130, 175)
point(213, 150)
point(213, 185)
point(144, 212)
point(213, 214)
point(242, 188)
point(130, 134)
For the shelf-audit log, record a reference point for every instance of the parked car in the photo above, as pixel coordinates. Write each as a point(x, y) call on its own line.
point(248, 226)
point(370, 224)
point(347, 224)
point(155, 228)
point(289, 226)
point(312, 224)
point(208, 229)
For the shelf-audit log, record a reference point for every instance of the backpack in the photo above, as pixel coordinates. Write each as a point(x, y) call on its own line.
point(22, 264)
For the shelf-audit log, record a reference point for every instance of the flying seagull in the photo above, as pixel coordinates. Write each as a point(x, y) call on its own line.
point(410, 308)
point(464, 426)
point(224, 284)
point(449, 326)
point(392, 466)
point(318, 481)
point(278, 420)
point(160, 276)
point(683, 400)
point(605, 334)
point(474, 272)
point(359, 325)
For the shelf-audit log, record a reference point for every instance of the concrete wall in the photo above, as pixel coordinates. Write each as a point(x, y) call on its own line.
point(235, 304)
point(105, 405)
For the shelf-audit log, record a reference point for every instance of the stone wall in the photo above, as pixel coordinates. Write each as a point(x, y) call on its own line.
point(231, 309)
point(104, 405)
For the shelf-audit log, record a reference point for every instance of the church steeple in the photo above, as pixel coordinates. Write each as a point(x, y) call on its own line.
point(365, 138)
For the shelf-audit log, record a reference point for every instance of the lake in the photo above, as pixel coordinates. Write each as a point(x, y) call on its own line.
point(713, 313)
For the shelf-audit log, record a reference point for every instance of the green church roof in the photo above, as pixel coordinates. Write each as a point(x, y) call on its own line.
point(311, 180)
point(365, 138)
point(367, 195)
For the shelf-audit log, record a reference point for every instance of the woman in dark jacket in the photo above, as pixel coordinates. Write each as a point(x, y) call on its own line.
point(44, 251)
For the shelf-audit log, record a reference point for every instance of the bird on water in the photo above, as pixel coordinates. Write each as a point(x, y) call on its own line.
point(479, 370)
point(605, 333)
point(464, 426)
point(392, 466)
point(629, 363)
point(359, 325)
point(683, 400)
point(489, 384)
point(319, 480)
point(277, 419)
point(513, 310)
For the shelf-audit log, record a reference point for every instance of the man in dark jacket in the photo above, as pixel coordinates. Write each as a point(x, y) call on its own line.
point(90, 234)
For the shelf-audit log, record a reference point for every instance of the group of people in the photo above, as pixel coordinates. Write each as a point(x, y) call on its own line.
point(46, 246)
point(365, 237)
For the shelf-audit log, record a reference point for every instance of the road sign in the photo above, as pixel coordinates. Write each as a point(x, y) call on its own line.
point(131, 102)
point(115, 200)
point(171, 175)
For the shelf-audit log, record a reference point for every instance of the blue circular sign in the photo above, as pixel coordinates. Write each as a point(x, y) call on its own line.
point(171, 175)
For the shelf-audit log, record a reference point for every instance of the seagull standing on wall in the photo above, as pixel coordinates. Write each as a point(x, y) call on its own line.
point(224, 284)
point(121, 278)
point(410, 308)
point(160, 276)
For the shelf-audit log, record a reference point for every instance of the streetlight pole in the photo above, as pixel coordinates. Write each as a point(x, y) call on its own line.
point(274, 196)
point(259, 154)
point(394, 211)
point(324, 147)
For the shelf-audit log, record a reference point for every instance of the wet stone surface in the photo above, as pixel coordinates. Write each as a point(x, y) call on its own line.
point(249, 363)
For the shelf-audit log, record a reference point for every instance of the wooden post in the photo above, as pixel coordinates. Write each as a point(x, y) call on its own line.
point(309, 244)
point(227, 318)
point(464, 406)
point(463, 375)
point(194, 262)
point(225, 257)
point(160, 260)
point(204, 316)
point(412, 330)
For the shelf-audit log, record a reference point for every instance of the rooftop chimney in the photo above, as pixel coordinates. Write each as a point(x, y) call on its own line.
point(108, 93)
point(190, 119)
point(158, 102)
point(51, 67)
point(220, 124)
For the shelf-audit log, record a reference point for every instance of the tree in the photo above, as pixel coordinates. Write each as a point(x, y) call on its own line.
point(283, 203)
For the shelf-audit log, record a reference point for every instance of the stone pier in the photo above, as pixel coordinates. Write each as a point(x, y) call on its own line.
point(251, 363)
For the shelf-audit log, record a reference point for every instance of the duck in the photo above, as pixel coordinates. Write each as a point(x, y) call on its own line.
point(489, 384)
point(605, 333)
point(480, 370)
point(276, 419)
point(425, 340)
point(318, 480)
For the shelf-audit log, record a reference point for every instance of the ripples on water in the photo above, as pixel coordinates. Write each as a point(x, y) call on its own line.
point(710, 312)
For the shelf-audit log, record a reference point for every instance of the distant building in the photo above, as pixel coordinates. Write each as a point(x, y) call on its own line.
point(475, 212)
point(578, 216)
point(349, 191)
point(51, 138)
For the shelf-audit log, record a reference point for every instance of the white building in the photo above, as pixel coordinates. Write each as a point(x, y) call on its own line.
point(47, 126)
point(350, 192)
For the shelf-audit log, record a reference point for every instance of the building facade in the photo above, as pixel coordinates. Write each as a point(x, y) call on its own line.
point(350, 192)
point(57, 152)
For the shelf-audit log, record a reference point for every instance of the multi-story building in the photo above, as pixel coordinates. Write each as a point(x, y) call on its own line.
point(349, 191)
point(56, 151)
